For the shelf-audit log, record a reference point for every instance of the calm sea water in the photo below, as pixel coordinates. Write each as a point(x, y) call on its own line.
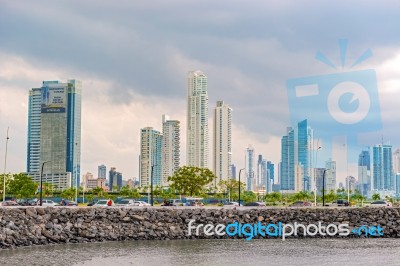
point(212, 252)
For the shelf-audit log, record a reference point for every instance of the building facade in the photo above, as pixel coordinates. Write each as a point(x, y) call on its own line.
point(197, 139)
point(330, 176)
point(150, 157)
point(250, 169)
point(57, 120)
point(170, 154)
point(383, 178)
point(222, 142)
point(102, 171)
point(364, 172)
point(115, 180)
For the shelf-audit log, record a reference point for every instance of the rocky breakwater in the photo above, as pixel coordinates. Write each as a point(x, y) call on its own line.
point(26, 226)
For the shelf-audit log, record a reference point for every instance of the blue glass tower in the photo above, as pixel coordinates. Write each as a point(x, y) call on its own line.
point(383, 168)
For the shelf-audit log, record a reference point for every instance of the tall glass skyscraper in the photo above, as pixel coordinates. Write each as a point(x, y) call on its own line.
point(150, 156)
point(54, 133)
point(197, 120)
point(251, 183)
point(295, 158)
point(102, 171)
point(364, 172)
point(383, 168)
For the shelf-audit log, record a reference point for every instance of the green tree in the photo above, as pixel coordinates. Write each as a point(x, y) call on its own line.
point(134, 193)
point(22, 186)
point(190, 180)
point(376, 196)
point(230, 187)
point(47, 189)
point(273, 197)
point(125, 191)
point(98, 191)
point(248, 196)
point(69, 193)
point(8, 179)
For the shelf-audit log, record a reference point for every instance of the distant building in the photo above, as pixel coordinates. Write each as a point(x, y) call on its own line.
point(102, 183)
point(102, 171)
point(330, 176)
point(197, 120)
point(233, 171)
point(54, 133)
point(115, 180)
point(364, 172)
point(150, 157)
point(250, 171)
point(170, 151)
point(383, 178)
point(222, 142)
point(351, 183)
point(319, 174)
point(85, 179)
point(90, 184)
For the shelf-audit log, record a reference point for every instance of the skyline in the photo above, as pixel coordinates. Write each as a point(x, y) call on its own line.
point(248, 53)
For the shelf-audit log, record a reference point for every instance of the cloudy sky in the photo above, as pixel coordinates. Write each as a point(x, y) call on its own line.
point(133, 58)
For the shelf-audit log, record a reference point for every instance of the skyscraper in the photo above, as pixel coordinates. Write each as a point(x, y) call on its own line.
point(115, 180)
point(295, 158)
point(222, 148)
point(364, 172)
point(150, 156)
point(330, 176)
point(102, 171)
point(251, 183)
point(54, 133)
point(383, 178)
point(170, 155)
point(197, 120)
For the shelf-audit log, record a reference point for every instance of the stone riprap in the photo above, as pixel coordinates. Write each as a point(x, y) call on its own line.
point(26, 226)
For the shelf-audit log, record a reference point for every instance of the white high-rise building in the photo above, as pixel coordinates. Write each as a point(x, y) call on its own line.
point(330, 176)
point(197, 120)
point(150, 156)
point(170, 154)
point(250, 169)
point(222, 155)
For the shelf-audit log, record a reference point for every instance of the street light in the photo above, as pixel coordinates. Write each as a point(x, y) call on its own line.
point(41, 182)
point(151, 185)
point(76, 173)
point(240, 171)
point(315, 175)
point(323, 188)
point(5, 166)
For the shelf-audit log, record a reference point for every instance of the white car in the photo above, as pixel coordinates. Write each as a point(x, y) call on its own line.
point(141, 203)
point(126, 203)
point(48, 203)
point(102, 203)
point(380, 203)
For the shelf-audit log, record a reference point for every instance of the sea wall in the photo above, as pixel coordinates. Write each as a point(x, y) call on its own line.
point(26, 226)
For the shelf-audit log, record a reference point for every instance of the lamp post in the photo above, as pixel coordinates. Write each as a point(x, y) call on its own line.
point(240, 171)
point(315, 176)
point(76, 174)
point(41, 183)
point(323, 188)
point(5, 166)
point(151, 185)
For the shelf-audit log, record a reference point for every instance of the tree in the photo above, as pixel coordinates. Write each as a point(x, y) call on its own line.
point(376, 196)
point(69, 193)
point(22, 186)
point(273, 197)
point(248, 196)
point(125, 191)
point(8, 179)
point(191, 180)
point(98, 191)
point(230, 186)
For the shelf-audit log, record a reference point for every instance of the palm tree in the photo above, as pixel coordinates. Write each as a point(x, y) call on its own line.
point(376, 196)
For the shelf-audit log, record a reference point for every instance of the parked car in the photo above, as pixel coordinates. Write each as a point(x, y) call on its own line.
point(126, 202)
point(380, 203)
point(33, 202)
point(339, 203)
point(253, 204)
point(47, 203)
point(68, 203)
point(91, 203)
point(103, 203)
point(141, 203)
point(8, 203)
point(172, 202)
point(23, 202)
point(301, 204)
point(231, 203)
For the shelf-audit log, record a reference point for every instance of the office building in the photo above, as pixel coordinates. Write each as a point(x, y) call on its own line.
point(170, 155)
point(197, 152)
point(250, 169)
point(330, 176)
point(102, 171)
point(115, 180)
point(150, 157)
point(222, 142)
point(296, 158)
point(364, 172)
point(54, 133)
point(383, 178)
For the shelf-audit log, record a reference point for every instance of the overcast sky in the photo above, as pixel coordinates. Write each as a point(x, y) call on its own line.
point(133, 58)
